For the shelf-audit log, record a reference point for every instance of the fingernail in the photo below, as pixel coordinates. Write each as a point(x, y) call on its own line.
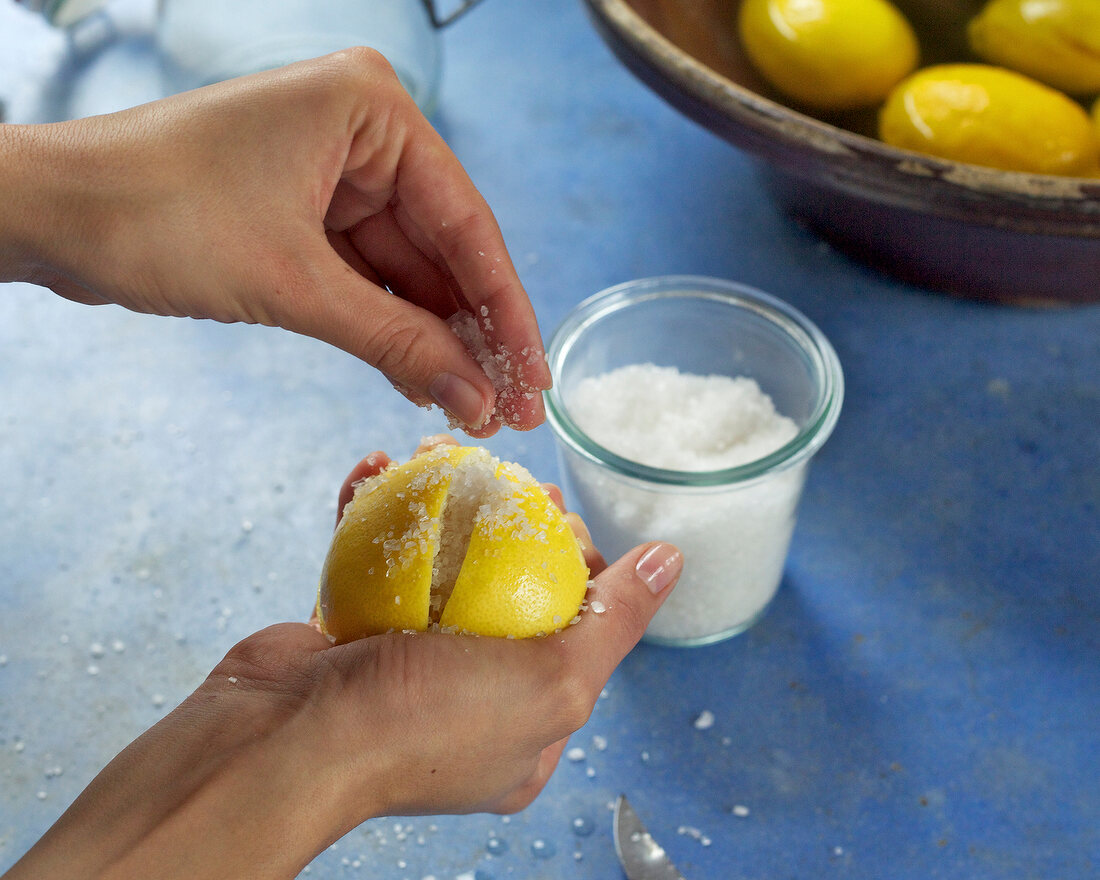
point(659, 566)
point(460, 398)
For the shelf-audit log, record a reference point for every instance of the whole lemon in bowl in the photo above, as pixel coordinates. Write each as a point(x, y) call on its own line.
point(986, 115)
point(829, 54)
point(1054, 41)
point(453, 539)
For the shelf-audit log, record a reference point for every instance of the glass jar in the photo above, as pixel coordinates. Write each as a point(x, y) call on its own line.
point(64, 13)
point(206, 41)
point(733, 525)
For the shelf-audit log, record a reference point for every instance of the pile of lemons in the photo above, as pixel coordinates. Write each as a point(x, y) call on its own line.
point(1020, 107)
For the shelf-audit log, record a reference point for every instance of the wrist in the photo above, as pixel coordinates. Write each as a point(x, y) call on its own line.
point(21, 222)
point(61, 194)
point(231, 784)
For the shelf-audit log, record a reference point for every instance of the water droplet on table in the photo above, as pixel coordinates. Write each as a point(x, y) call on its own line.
point(583, 826)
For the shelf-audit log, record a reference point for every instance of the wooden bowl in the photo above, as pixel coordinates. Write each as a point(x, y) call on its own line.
point(962, 229)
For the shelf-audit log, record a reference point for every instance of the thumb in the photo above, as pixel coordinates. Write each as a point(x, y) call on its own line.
point(412, 347)
point(621, 602)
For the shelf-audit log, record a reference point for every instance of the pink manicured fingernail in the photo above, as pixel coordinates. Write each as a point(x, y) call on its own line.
point(460, 398)
point(659, 566)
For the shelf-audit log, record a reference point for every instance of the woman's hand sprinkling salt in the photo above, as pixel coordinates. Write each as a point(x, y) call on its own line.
point(315, 198)
point(292, 742)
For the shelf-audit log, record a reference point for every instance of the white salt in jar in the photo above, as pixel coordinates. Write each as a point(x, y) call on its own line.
point(687, 409)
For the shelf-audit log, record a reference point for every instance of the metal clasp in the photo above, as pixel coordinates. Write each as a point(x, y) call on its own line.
point(441, 20)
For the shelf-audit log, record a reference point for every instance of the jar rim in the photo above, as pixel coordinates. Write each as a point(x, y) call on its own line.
point(786, 318)
point(64, 13)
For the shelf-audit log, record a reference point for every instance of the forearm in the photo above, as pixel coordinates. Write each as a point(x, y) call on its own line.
point(205, 793)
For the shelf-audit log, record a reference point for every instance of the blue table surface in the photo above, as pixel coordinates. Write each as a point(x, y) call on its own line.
point(921, 700)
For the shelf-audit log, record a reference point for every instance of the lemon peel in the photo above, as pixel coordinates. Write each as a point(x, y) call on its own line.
point(455, 540)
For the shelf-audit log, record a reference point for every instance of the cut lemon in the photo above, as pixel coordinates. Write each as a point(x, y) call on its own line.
point(453, 539)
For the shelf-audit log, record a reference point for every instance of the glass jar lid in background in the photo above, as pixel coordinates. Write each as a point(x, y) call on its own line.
point(206, 41)
point(63, 13)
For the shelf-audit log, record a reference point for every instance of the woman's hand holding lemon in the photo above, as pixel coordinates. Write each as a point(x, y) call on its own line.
point(292, 741)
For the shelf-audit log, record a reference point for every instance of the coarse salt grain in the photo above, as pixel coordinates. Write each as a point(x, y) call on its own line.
point(734, 538)
point(498, 363)
point(694, 834)
point(663, 418)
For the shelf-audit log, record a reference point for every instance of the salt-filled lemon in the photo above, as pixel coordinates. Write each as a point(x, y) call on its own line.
point(452, 539)
point(829, 54)
point(990, 116)
point(1054, 41)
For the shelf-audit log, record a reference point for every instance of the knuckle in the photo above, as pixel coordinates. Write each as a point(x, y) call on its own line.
point(275, 656)
point(398, 347)
point(253, 653)
point(571, 695)
point(577, 705)
point(363, 70)
point(464, 234)
point(631, 619)
point(364, 62)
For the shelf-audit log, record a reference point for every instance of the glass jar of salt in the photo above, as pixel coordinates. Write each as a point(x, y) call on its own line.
point(687, 409)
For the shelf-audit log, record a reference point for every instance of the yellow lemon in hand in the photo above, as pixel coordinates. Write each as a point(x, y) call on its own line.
point(452, 539)
point(829, 54)
point(1054, 41)
point(990, 116)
